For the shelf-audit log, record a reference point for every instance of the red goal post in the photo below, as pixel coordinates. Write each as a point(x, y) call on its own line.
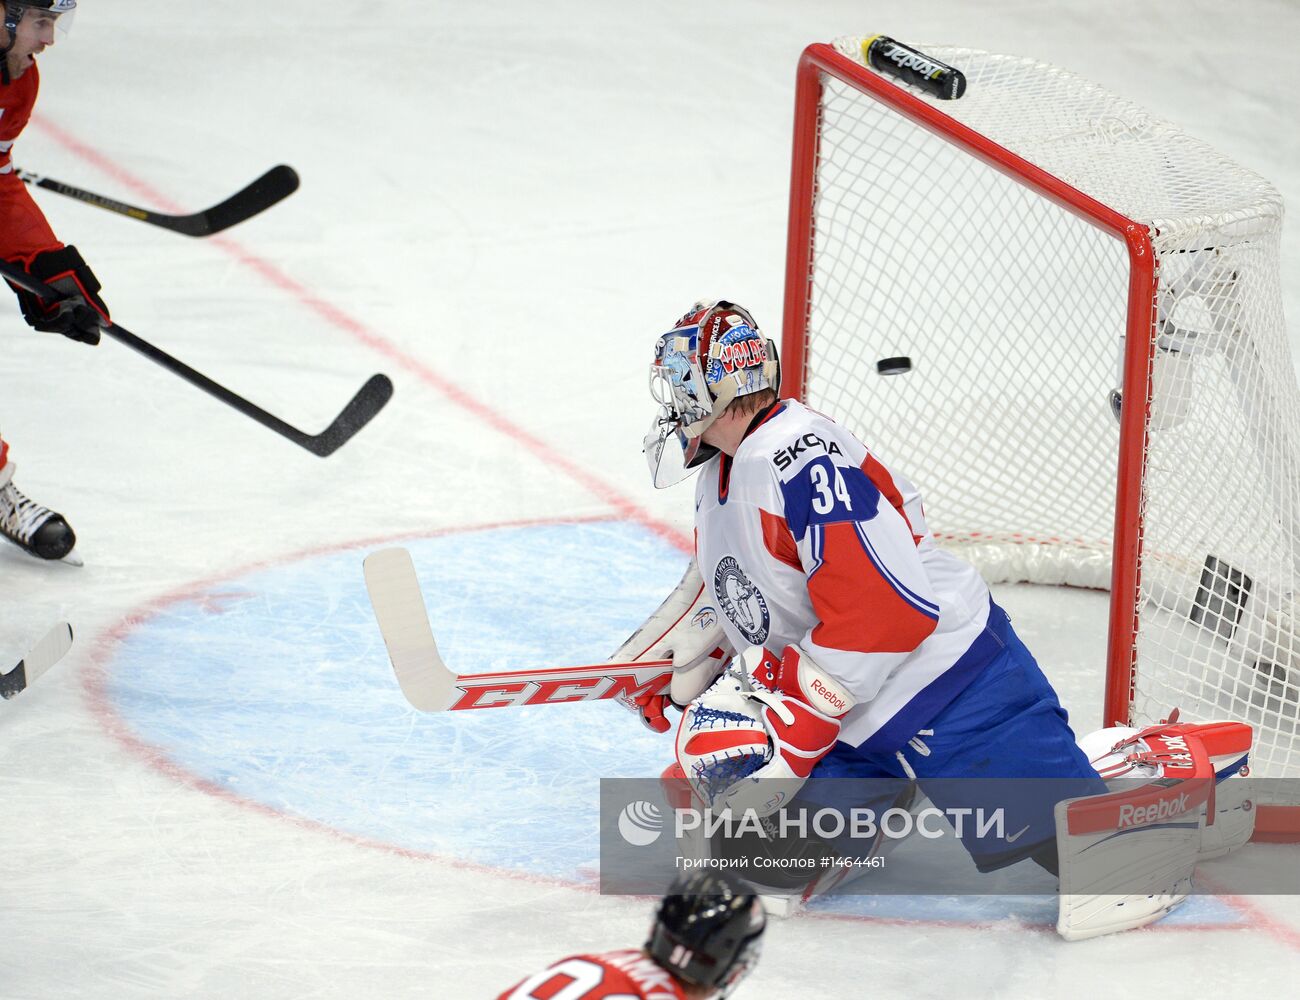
point(1101, 392)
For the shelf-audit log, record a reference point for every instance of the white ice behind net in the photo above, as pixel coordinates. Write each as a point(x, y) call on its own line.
point(1013, 311)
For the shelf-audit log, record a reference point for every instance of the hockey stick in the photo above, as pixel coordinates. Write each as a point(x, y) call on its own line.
point(46, 653)
point(273, 186)
point(432, 686)
point(368, 401)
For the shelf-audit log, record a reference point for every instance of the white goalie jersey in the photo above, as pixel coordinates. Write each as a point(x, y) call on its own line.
point(805, 538)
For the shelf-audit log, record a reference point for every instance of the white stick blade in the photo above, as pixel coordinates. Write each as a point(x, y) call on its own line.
point(49, 651)
point(404, 623)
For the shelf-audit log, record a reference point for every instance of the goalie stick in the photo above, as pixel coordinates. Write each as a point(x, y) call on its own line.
point(369, 400)
point(273, 186)
point(46, 653)
point(432, 686)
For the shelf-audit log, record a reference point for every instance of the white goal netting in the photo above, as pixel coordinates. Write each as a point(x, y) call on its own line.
point(1013, 308)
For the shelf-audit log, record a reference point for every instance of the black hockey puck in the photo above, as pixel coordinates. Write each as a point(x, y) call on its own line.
point(893, 366)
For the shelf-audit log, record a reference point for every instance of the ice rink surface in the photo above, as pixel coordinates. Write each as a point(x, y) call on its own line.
point(220, 793)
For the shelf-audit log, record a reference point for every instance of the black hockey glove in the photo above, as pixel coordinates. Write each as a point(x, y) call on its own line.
point(79, 312)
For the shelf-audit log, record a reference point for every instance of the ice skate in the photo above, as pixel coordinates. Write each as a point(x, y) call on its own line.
point(31, 526)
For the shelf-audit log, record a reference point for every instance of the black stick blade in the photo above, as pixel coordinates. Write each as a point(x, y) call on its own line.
point(14, 682)
point(274, 185)
point(361, 409)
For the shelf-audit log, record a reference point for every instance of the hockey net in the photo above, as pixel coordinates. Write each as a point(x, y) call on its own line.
point(1101, 392)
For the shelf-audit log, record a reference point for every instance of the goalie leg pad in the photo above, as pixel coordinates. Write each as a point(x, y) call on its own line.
point(1178, 750)
point(785, 896)
point(1127, 857)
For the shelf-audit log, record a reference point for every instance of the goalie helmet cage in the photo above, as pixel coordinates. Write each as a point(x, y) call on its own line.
point(1100, 390)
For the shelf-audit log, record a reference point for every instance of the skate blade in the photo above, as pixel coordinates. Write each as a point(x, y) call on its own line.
point(73, 558)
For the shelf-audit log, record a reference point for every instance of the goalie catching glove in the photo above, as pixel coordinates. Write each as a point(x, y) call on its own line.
point(751, 740)
point(684, 629)
point(78, 312)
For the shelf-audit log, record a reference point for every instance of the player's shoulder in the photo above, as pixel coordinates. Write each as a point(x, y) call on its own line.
point(626, 974)
point(818, 470)
point(642, 973)
point(16, 100)
point(794, 435)
point(629, 972)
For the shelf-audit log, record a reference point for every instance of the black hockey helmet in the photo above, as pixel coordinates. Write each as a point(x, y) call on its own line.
point(13, 12)
point(707, 931)
point(15, 9)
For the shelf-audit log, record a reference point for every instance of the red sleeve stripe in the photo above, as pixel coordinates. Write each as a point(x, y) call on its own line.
point(922, 605)
point(858, 609)
point(883, 481)
point(778, 541)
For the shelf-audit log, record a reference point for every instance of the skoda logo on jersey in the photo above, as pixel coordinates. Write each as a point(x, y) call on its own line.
point(741, 601)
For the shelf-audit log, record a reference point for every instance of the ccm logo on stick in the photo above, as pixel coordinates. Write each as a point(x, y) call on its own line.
point(486, 691)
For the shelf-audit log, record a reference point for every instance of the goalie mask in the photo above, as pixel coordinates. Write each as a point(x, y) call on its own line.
point(714, 354)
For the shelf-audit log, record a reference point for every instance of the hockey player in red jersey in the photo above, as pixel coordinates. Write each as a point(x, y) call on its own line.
point(26, 239)
point(704, 940)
